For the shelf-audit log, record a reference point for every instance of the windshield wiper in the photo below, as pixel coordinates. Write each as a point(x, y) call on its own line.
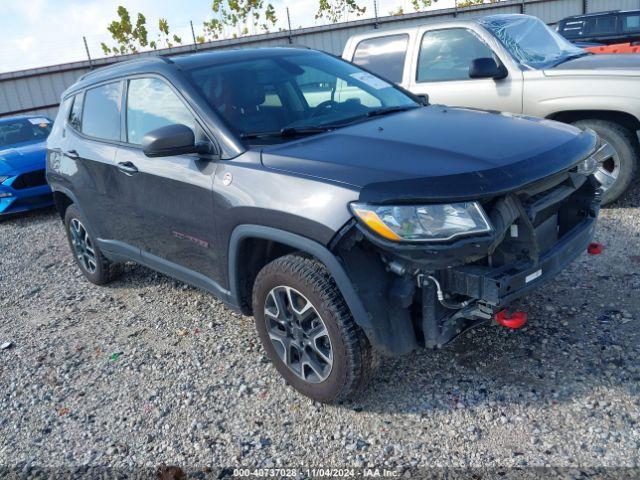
point(571, 57)
point(291, 132)
point(287, 132)
point(387, 110)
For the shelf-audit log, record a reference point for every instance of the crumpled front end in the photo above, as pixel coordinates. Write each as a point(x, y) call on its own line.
point(420, 295)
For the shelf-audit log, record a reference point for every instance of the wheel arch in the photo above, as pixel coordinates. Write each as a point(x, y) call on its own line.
point(62, 202)
point(624, 119)
point(261, 244)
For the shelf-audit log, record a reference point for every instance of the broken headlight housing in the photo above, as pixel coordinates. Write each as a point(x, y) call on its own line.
point(423, 223)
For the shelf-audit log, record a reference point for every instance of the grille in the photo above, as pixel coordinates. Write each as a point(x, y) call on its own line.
point(36, 178)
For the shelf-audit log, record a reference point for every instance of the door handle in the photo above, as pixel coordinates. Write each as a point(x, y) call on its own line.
point(127, 168)
point(72, 154)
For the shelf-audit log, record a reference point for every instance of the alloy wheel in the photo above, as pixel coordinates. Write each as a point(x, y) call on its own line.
point(298, 334)
point(608, 165)
point(82, 245)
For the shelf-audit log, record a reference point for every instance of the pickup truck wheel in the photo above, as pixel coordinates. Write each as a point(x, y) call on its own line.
point(307, 330)
point(94, 266)
point(618, 157)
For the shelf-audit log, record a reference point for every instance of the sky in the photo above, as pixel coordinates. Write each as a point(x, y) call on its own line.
point(39, 33)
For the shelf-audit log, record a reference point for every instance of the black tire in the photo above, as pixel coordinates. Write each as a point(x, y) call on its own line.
point(623, 142)
point(105, 271)
point(351, 351)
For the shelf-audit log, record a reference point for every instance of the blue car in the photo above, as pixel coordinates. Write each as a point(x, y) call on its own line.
point(23, 185)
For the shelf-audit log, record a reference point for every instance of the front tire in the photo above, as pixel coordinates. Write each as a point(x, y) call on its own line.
point(618, 157)
point(93, 264)
point(307, 330)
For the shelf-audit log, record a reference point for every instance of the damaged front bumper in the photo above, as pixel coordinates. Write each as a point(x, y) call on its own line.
point(427, 295)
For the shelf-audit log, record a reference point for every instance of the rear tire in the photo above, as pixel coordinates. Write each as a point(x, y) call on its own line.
point(336, 367)
point(624, 161)
point(93, 264)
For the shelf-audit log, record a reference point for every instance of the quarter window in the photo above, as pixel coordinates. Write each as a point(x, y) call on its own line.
point(447, 54)
point(101, 113)
point(152, 104)
point(384, 56)
point(75, 115)
point(631, 23)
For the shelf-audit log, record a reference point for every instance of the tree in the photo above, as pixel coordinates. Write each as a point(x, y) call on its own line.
point(238, 14)
point(128, 37)
point(470, 3)
point(337, 10)
point(164, 35)
point(133, 38)
point(421, 4)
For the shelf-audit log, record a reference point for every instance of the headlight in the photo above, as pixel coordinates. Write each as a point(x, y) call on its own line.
point(4, 178)
point(423, 223)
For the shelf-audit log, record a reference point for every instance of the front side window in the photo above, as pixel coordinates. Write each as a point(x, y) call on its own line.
point(384, 56)
point(447, 54)
point(297, 89)
point(101, 112)
point(152, 104)
point(530, 41)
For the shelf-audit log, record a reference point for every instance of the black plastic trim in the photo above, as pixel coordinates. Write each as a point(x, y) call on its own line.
point(306, 245)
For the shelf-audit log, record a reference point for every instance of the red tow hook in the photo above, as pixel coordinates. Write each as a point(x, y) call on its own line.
point(513, 320)
point(595, 248)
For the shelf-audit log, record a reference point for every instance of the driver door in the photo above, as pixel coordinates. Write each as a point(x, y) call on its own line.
point(442, 71)
point(169, 199)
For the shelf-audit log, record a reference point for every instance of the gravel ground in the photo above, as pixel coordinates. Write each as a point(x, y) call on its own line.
point(149, 371)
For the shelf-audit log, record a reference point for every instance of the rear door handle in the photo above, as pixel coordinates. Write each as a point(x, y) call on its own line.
point(72, 154)
point(127, 168)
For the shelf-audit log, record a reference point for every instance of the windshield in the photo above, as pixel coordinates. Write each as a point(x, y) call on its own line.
point(292, 93)
point(530, 40)
point(24, 130)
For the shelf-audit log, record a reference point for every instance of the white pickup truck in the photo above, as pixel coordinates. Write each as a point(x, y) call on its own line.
point(516, 64)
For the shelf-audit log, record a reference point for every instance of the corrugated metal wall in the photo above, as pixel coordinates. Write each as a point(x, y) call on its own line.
point(37, 91)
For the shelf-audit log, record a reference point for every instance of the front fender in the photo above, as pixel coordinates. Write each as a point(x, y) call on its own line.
point(303, 244)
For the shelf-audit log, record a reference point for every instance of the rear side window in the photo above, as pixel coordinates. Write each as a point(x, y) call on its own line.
point(75, 115)
point(152, 104)
point(601, 25)
point(447, 54)
point(384, 56)
point(631, 23)
point(101, 113)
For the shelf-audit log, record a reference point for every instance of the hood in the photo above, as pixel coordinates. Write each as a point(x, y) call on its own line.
point(435, 153)
point(613, 64)
point(22, 157)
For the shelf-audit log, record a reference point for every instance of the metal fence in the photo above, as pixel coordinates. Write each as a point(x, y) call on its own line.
point(38, 90)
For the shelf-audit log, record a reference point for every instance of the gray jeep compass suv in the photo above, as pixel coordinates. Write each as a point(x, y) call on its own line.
point(340, 211)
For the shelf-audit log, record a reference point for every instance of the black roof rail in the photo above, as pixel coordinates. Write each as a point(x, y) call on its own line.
point(594, 14)
point(162, 58)
point(165, 58)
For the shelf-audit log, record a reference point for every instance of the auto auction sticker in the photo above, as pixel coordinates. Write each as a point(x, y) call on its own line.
point(41, 122)
point(368, 79)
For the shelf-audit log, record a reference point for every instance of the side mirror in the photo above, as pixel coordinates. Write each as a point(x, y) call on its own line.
point(487, 68)
point(172, 140)
point(424, 99)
